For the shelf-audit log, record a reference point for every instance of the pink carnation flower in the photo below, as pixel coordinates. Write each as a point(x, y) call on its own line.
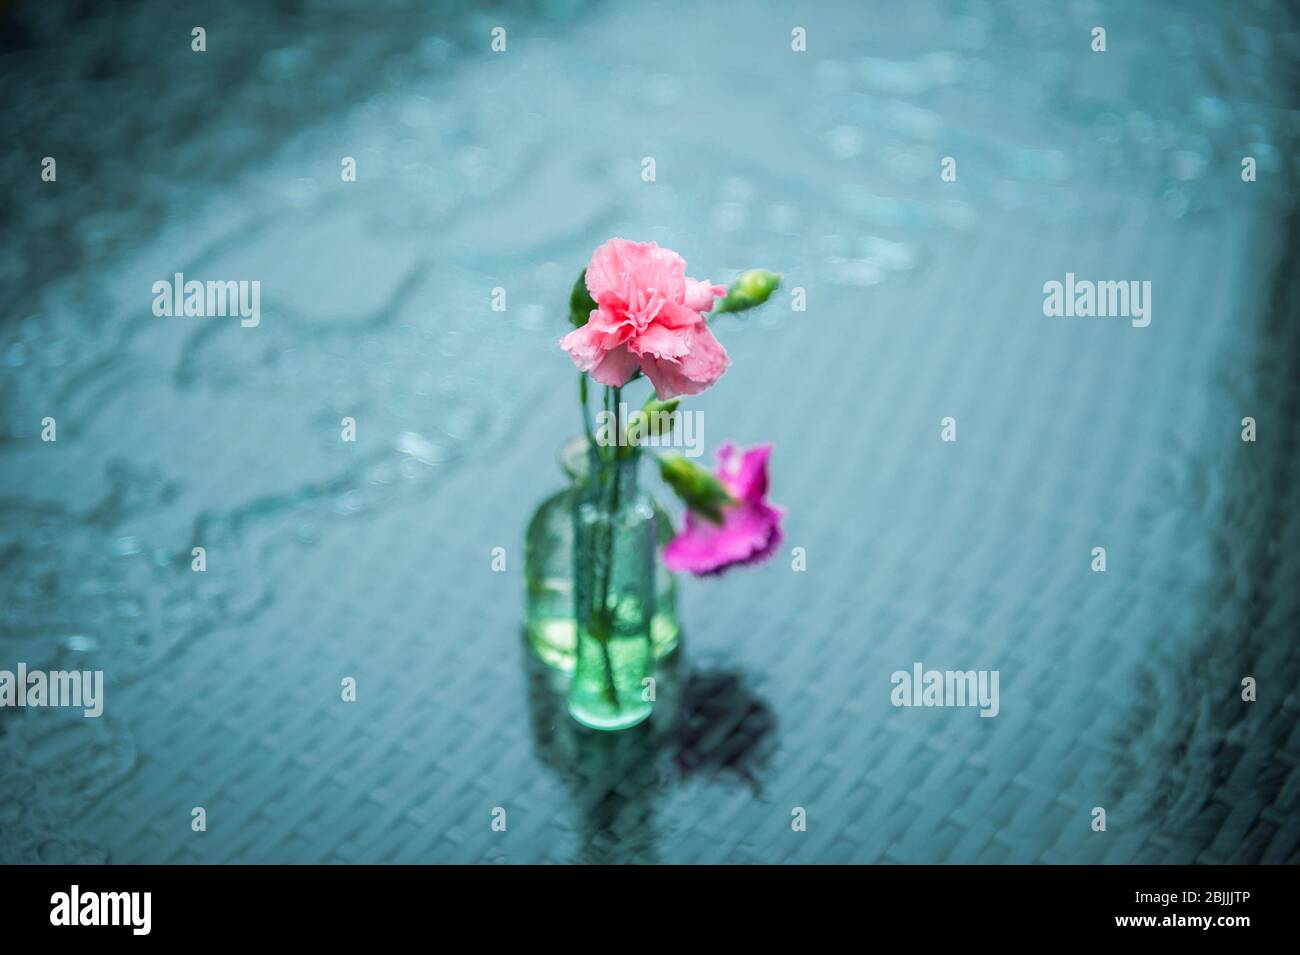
point(648, 315)
point(751, 528)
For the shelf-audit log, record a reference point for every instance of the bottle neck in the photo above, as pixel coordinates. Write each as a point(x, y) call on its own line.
point(580, 458)
point(611, 474)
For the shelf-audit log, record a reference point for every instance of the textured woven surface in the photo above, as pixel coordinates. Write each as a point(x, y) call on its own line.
point(373, 560)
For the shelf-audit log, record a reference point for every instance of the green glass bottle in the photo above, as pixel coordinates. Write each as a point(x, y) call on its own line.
point(614, 557)
point(548, 572)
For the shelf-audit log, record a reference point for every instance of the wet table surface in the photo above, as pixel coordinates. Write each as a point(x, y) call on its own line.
point(372, 559)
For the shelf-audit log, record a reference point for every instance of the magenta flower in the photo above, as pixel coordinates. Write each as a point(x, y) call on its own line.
point(648, 315)
point(751, 528)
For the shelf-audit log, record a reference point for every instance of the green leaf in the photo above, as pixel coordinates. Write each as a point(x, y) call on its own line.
point(581, 304)
point(698, 488)
point(750, 290)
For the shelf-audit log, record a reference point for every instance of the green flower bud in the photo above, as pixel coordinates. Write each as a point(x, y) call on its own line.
point(750, 290)
point(698, 488)
point(581, 304)
point(660, 416)
point(652, 420)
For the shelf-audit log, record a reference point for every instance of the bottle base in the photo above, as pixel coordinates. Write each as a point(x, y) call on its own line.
point(608, 718)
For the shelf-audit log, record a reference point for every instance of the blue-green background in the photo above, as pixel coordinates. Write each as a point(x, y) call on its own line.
point(373, 559)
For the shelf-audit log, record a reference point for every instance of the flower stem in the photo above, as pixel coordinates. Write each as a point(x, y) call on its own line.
point(586, 412)
point(611, 689)
point(603, 613)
